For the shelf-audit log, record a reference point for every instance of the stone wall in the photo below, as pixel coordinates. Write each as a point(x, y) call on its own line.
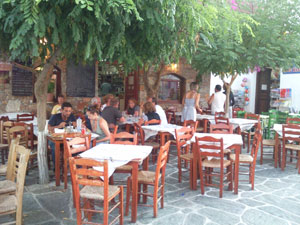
point(185, 71)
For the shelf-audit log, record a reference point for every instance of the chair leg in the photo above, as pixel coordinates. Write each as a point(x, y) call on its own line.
point(162, 191)
point(252, 175)
point(231, 177)
point(221, 182)
point(191, 174)
point(66, 174)
point(291, 156)
point(155, 202)
point(201, 178)
point(145, 190)
point(261, 152)
point(121, 205)
point(128, 194)
point(249, 141)
point(283, 159)
point(179, 170)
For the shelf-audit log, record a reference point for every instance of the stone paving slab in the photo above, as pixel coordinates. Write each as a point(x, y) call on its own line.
point(275, 200)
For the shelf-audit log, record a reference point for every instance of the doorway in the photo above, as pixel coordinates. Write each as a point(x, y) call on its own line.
point(263, 83)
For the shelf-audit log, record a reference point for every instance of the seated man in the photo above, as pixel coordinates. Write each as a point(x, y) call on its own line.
point(57, 108)
point(112, 114)
point(61, 120)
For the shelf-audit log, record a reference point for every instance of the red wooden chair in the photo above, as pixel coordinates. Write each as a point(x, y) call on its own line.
point(25, 117)
point(74, 143)
point(171, 117)
point(221, 119)
point(212, 147)
point(155, 179)
point(123, 138)
point(192, 124)
point(250, 133)
point(219, 114)
point(290, 141)
point(90, 192)
point(184, 151)
point(141, 140)
point(221, 128)
point(249, 160)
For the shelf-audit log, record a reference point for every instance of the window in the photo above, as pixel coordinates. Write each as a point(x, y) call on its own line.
point(171, 88)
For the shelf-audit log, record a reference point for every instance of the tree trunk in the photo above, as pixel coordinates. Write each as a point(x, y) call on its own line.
point(152, 89)
point(228, 90)
point(41, 96)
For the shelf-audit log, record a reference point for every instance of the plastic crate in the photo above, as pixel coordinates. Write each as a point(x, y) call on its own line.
point(241, 114)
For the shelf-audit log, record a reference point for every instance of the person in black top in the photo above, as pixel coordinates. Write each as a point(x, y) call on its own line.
point(231, 99)
point(112, 114)
point(150, 113)
point(61, 120)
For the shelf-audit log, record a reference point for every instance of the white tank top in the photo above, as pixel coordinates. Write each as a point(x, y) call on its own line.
point(217, 104)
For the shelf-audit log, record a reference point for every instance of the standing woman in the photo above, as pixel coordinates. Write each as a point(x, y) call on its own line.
point(190, 103)
point(99, 125)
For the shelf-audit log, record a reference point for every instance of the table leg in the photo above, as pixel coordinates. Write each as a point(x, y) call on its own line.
point(135, 166)
point(236, 169)
point(205, 122)
point(162, 138)
point(127, 128)
point(276, 149)
point(57, 163)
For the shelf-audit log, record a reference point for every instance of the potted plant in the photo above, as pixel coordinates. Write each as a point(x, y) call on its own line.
point(50, 91)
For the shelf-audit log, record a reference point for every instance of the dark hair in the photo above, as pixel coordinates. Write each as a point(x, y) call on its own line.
point(60, 96)
point(133, 100)
point(218, 87)
point(154, 100)
point(193, 86)
point(66, 105)
point(93, 109)
point(148, 107)
point(107, 98)
point(114, 101)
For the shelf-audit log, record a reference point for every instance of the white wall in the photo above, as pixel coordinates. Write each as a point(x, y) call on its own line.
point(292, 81)
point(251, 83)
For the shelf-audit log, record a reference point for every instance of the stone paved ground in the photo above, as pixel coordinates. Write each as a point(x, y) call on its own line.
point(275, 200)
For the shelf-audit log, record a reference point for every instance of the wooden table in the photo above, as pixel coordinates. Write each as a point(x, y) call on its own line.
point(162, 130)
point(231, 141)
point(121, 155)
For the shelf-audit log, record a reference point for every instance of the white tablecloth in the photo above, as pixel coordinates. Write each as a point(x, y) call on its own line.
point(13, 115)
point(278, 128)
point(117, 155)
point(244, 124)
point(228, 139)
point(152, 130)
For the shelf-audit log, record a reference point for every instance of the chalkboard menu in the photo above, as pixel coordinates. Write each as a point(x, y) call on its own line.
point(22, 82)
point(80, 80)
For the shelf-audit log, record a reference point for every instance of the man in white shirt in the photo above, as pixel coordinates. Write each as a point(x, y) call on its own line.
point(217, 100)
point(159, 111)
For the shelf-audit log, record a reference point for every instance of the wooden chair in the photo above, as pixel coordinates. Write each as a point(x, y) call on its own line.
point(25, 117)
point(5, 170)
point(192, 124)
point(31, 142)
point(4, 118)
point(74, 144)
point(155, 179)
point(221, 128)
point(290, 141)
point(90, 192)
point(3, 147)
point(234, 112)
point(171, 117)
point(141, 140)
point(250, 159)
point(123, 138)
point(221, 119)
point(212, 147)
point(250, 133)
point(24, 140)
point(292, 120)
point(13, 203)
point(269, 143)
point(184, 151)
point(7, 124)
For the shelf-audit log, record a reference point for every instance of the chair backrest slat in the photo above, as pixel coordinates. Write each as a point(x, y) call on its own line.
point(209, 146)
point(162, 162)
point(191, 123)
point(221, 119)
point(25, 117)
point(81, 139)
point(291, 132)
point(124, 138)
point(221, 128)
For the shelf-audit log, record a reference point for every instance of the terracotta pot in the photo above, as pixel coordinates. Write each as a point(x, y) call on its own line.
point(50, 97)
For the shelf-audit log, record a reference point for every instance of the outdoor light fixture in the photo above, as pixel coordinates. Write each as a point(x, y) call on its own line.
point(174, 66)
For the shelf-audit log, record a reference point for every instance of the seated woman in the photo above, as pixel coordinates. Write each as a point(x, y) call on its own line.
point(149, 111)
point(133, 109)
point(99, 125)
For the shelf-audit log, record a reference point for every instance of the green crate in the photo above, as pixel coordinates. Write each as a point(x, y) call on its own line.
point(241, 114)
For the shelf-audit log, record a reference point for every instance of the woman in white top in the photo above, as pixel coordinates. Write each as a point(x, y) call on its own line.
point(217, 100)
point(190, 103)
